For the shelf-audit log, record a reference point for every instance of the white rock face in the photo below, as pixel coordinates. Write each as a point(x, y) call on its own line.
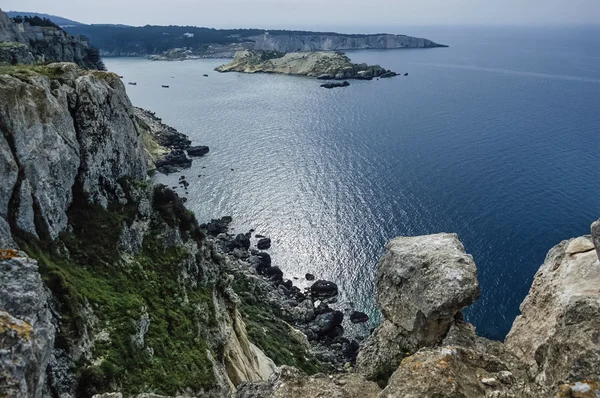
point(558, 331)
point(422, 283)
point(324, 42)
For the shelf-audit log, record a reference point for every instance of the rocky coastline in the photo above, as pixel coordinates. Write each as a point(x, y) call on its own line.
point(322, 65)
point(111, 288)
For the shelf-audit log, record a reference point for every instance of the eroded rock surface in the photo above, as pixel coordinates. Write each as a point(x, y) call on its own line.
point(422, 283)
point(558, 332)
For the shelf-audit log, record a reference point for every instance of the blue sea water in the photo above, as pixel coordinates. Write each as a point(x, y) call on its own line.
point(496, 138)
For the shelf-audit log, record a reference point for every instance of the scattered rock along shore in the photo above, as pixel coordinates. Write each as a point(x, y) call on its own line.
point(321, 64)
point(111, 288)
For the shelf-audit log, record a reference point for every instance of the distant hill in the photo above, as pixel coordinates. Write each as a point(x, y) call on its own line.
point(185, 41)
point(60, 21)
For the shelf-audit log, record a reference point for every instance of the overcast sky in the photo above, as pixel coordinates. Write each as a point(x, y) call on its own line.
point(317, 13)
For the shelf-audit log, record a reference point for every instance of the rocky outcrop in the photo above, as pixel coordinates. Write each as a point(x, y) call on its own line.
point(324, 65)
point(422, 284)
point(26, 44)
point(337, 42)
point(558, 332)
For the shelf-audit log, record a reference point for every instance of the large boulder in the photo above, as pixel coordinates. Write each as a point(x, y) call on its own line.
point(422, 283)
point(558, 332)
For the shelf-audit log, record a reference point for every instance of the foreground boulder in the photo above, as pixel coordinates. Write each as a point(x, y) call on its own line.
point(558, 332)
point(422, 283)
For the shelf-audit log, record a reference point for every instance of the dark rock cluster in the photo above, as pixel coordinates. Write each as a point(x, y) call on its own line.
point(307, 310)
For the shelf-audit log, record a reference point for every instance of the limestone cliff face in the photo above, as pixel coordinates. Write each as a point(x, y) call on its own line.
point(558, 332)
point(26, 44)
point(325, 42)
point(326, 65)
point(116, 287)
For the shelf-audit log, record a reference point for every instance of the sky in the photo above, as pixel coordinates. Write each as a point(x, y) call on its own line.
point(307, 14)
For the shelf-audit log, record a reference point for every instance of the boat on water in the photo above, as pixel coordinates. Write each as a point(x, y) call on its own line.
point(133, 83)
point(205, 75)
point(165, 86)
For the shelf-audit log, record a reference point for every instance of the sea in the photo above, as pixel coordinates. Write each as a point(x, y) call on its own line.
point(495, 138)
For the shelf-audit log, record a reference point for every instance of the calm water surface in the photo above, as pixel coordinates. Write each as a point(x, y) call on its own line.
point(495, 138)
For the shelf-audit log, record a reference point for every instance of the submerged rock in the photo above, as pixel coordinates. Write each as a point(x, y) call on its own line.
point(335, 85)
point(198, 150)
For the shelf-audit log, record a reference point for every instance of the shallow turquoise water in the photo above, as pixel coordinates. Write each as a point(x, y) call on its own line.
point(495, 138)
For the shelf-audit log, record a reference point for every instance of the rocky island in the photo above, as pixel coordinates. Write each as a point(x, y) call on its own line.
point(321, 64)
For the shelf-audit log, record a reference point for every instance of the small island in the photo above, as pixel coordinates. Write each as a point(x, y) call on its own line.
point(323, 65)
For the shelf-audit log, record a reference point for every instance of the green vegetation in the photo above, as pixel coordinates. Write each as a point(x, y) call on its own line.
point(25, 71)
point(35, 21)
point(95, 278)
point(11, 44)
point(268, 331)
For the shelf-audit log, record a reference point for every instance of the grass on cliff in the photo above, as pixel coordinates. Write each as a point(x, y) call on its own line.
point(94, 277)
point(26, 71)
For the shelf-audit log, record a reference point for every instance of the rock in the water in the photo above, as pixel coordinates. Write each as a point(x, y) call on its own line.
point(199, 150)
point(263, 243)
point(309, 277)
point(335, 85)
point(558, 331)
point(422, 283)
point(322, 289)
point(358, 317)
point(242, 241)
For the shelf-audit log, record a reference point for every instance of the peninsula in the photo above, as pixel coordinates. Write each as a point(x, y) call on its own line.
point(324, 65)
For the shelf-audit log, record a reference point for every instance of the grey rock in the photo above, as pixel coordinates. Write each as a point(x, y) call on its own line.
point(422, 283)
point(558, 332)
point(26, 329)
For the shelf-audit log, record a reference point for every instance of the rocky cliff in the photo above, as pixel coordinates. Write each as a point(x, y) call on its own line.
point(108, 283)
point(337, 42)
point(26, 44)
point(324, 65)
